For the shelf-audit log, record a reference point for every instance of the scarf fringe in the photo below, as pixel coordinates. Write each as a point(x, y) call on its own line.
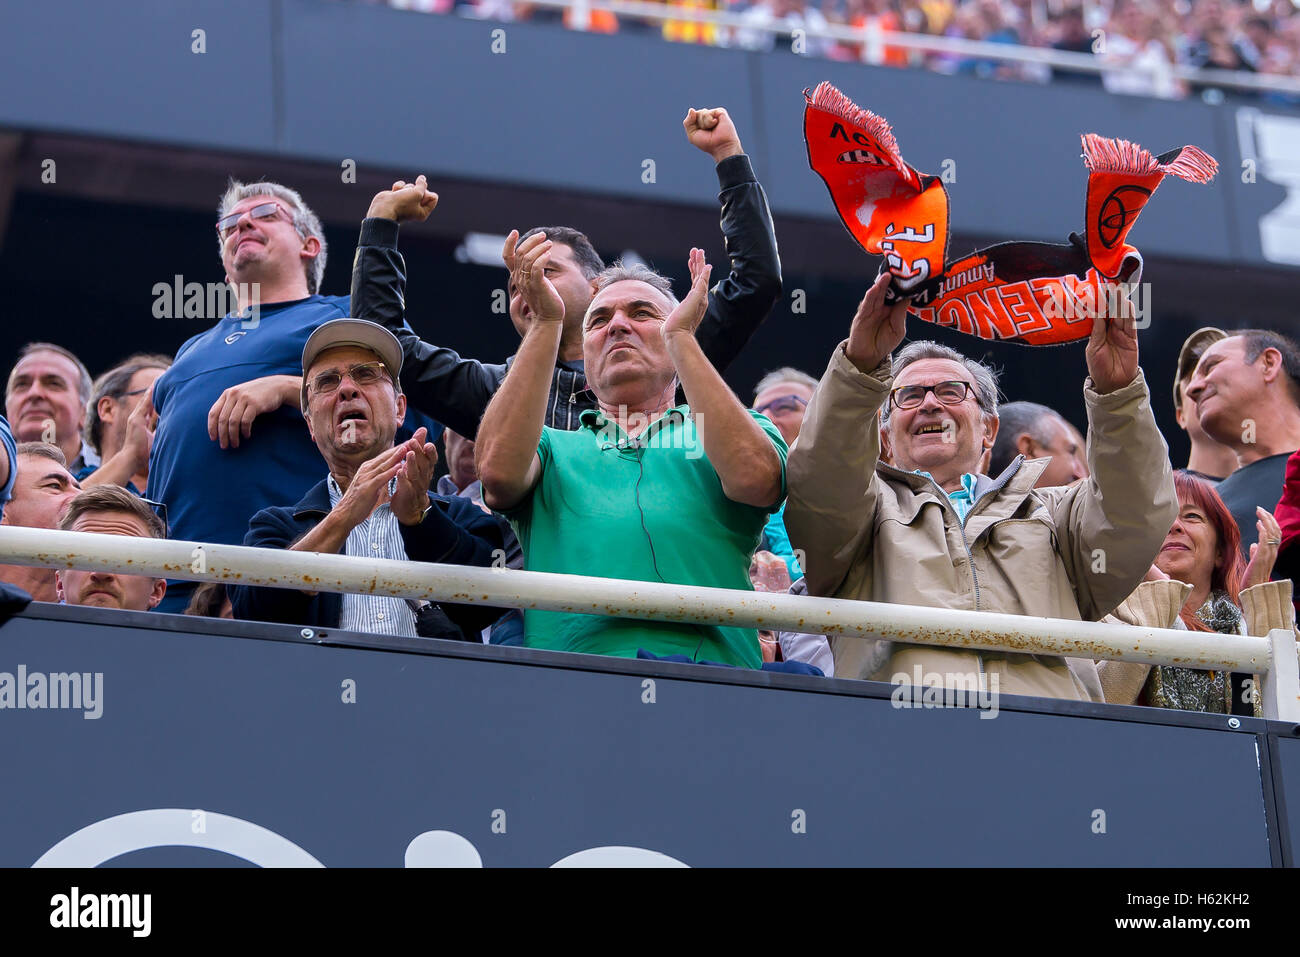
point(1192, 164)
point(830, 100)
point(1103, 155)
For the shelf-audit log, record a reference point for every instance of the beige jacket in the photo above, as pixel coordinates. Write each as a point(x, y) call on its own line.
point(874, 532)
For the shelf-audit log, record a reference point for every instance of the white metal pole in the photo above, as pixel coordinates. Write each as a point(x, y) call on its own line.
point(1281, 689)
point(236, 564)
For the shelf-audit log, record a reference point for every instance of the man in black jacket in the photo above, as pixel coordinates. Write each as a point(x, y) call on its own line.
point(375, 501)
point(456, 390)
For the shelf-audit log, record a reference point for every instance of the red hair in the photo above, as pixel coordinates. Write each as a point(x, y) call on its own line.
point(1230, 568)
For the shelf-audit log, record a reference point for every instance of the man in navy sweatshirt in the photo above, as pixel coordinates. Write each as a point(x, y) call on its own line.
point(230, 439)
point(375, 500)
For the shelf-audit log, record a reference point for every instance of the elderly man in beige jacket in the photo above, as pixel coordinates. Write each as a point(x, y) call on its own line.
point(931, 530)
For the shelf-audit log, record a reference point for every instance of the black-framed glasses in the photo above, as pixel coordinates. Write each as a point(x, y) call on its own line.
point(362, 374)
point(952, 392)
point(783, 404)
point(159, 509)
point(262, 211)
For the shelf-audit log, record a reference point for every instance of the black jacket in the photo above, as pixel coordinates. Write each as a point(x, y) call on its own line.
point(456, 391)
point(454, 532)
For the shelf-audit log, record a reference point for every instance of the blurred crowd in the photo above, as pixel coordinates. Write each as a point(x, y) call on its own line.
point(1139, 41)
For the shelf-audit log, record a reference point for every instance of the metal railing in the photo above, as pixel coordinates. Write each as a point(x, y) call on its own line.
point(874, 40)
point(1274, 657)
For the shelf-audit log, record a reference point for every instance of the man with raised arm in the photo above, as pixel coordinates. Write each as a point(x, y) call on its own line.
point(644, 489)
point(932, 530)
point(456, 390)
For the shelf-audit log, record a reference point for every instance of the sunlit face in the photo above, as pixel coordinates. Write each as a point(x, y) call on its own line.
point(460, 458)
point(623, 339)
point(257, 248)
point(107, 589)
point(43, 388)
point(42, 490)
point(935, 436)
point(1067, 463)
point(1187, 416)
point(1226, 388)
point(352, 421)
point(115, 410)
point(1190, 552)
point(574, 289)
point(785, 403)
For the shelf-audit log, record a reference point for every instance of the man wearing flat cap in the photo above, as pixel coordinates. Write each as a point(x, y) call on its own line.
point(375, 502)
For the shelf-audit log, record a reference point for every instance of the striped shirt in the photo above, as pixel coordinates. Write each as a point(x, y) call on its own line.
point(379, 536)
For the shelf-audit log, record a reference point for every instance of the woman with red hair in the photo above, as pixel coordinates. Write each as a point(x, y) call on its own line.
point(1200, 582)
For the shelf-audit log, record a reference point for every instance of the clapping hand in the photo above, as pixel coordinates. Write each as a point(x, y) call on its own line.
point(527, 262)
point(1264, 552)
point(686, 318)
point(411, 498)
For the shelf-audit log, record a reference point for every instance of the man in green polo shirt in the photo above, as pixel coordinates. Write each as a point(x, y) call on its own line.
point(644, 490)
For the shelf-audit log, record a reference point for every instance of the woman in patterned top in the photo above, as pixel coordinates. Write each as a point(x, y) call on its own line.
point(1200, 582)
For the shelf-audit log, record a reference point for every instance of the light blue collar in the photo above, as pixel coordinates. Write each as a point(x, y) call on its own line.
point(963, 499)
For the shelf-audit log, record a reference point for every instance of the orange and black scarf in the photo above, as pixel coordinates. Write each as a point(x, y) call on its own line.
point(1031, 293)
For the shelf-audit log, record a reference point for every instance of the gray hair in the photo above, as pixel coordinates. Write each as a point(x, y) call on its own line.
point(1255, 341)
point(1019, 418)
point(43, 450)
point(986, 380)
point(84, 384)
point(636, 272)
point(305, 221)
point(784, 374)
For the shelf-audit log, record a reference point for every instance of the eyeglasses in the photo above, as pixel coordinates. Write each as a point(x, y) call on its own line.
point(366, 373)
point(226, 224)
point(783, 404)
point(949, 393)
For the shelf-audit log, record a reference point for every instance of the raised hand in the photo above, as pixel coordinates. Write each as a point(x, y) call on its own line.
point(411, 498)
point(404, 202)
point(769, 572)
point(1112, 351)
point(527, 262)
point(1154, 575)
point(686, 318)
point(877, 328)
point(1264, 552)
point(140, 426)
point(713, 132)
